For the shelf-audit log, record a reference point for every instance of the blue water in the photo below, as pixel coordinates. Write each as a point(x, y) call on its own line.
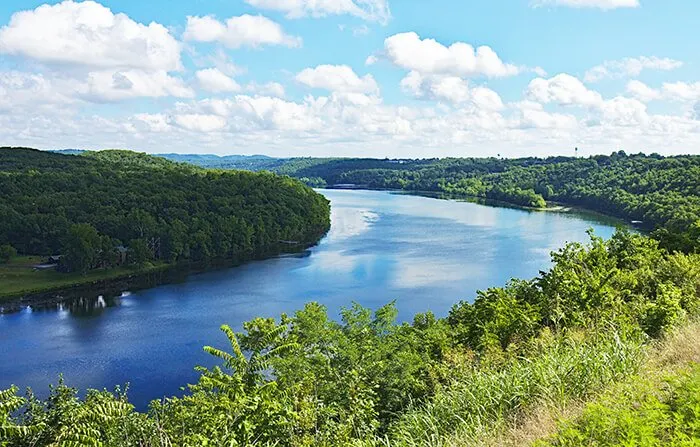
point(424, 253)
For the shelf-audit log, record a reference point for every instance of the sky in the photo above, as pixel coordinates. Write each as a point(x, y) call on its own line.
point(371, 78)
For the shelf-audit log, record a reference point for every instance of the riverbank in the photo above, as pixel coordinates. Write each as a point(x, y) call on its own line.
point(22, 285)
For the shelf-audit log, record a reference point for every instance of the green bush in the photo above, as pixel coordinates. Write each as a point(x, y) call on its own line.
point(640, 413)
point(7, 252)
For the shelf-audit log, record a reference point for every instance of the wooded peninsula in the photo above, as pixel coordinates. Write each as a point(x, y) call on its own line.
point(113, 213)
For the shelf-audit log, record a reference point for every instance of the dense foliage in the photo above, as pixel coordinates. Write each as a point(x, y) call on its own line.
point(306, 379)
point(91, 208)
point(642, 413)
point(661, 192)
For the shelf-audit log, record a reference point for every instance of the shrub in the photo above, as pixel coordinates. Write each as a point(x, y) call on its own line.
point(7, 252)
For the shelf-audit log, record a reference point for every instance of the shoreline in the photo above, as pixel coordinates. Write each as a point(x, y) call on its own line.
point(134, 279)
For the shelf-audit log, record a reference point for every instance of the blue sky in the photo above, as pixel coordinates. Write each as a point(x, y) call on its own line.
point(399, 78)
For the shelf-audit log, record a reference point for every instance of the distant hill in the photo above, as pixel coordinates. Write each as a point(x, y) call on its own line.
point(245, 162)
point(68, 151)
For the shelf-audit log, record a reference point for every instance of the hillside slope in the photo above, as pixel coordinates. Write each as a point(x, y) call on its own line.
point(86, 207)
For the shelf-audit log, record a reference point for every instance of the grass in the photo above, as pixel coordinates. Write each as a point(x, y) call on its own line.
point(559, 390)
point(484, 400)
point(658, 407)
point(666, 362)
point(18, 278)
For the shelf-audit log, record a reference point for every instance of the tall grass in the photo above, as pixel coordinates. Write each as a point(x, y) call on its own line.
point(483, 399)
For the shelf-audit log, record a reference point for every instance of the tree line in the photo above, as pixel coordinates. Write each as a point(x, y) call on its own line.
point(94, 208)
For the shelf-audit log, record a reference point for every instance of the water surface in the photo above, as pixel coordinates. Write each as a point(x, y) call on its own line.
point(424, 253)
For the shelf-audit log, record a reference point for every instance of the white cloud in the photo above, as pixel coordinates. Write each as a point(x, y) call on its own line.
point(54, 89)
point(200, 123)
point(274, 89)
point(533, 116)
point(337, 78)
point(355, 124)
point(31, 90)
point(682, 91)
point(109, 85)
point(428, 56)
point(236, 32)
point(671, 91)
point(371, 10)
point(599, 4)
point(450, 89)
point(630, 67)
point(154, 122)
point(642, 92)
point(563, 89)
point(214, 80)
point(621, 111)
point(89, 34)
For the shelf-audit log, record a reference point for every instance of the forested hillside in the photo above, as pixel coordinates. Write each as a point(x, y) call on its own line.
point(95, 207)
point(661, 192)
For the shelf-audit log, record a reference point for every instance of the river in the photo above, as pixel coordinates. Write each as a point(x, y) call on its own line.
point(425, 253)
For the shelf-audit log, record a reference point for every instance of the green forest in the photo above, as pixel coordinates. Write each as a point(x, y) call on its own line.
point(599, 349)
point(101, 210)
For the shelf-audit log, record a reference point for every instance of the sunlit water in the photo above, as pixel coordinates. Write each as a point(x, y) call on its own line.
point(424, 253)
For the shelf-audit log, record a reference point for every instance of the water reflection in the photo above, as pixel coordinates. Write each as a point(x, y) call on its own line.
point(81, 306)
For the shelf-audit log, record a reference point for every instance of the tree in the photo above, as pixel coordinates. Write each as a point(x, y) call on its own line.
point(7, 252)
point(81, 248)
point(139, 253)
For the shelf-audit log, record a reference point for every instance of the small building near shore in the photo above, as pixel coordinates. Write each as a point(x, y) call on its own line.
point(123, 253)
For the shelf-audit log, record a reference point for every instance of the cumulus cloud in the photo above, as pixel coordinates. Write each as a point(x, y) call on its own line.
point(239, 31)
point(371, 10)
point(153, 122)
point(531, 115)
point(671, 91)
point(109, 85)
point(562, 89)
point(89, 34)
point(32, 91)
point(427, 56)
point(630, 67)
point(621, 111)
point(450, 89)
point(343, 124)
point(337, 78)
point(599, 4)
point(274, 89)
point(215, 81)
point(682, 91)
point(200, 122)
point(101, 86)
point(642, 91)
